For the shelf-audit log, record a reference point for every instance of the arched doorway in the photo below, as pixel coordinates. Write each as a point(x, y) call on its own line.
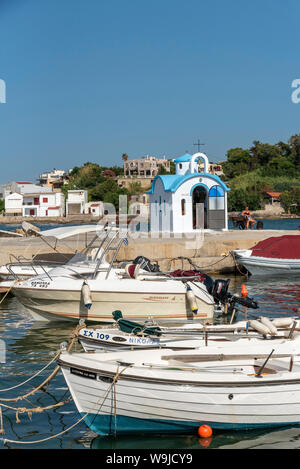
point(199, 200)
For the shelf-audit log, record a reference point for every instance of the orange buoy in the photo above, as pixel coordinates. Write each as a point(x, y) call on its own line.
point(244, 291)
point(205, 431)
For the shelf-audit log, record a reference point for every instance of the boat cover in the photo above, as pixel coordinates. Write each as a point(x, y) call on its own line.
point(281, 247)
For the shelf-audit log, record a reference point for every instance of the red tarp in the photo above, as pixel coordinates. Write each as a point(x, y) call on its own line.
point(282, 247)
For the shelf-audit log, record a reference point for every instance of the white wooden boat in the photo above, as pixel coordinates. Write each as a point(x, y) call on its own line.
point(276, 255)
point(163, 391)
point(147, 336)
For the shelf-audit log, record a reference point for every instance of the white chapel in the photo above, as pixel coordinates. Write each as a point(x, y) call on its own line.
point(188, 200)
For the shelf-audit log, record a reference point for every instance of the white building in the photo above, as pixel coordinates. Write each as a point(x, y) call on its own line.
point(48, 204)
point(13, 204)
point(76, 202)
point(96, 209)
point(188, 200)
point(24, 187)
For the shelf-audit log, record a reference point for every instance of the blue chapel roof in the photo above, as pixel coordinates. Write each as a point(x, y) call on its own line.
point(171, 182)
point(183, 159)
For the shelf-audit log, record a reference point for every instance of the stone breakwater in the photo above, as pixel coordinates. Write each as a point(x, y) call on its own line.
point(210, 254)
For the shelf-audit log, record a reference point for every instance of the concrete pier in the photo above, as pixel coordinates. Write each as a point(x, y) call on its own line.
point(210, 253)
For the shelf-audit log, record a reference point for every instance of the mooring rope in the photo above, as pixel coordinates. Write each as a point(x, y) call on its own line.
point(34, 376)
point(73, 336)
point(195, 265)
point(8, 291)
point(103, 397)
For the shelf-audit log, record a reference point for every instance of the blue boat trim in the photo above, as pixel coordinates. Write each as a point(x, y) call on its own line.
point(105, 425)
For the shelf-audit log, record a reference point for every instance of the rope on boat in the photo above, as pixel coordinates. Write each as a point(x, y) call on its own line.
point(245, 274)
point(103, 397)
point(36, 374)
point(9, 290)
point(195, 265)
point(73, 336)
point(38, 409)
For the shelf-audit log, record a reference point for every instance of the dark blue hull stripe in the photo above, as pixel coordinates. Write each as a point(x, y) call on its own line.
point(105, 425)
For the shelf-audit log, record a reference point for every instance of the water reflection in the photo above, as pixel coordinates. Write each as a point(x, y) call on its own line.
point(280, 438)
point(30, 345)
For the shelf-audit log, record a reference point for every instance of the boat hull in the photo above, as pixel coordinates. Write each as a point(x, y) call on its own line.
point(68, 304)
point(268, 266)
point(137, 405)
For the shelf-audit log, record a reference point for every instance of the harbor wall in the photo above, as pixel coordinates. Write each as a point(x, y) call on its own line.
point(211, 255)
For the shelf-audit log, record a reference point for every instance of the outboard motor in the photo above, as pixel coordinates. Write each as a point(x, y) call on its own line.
point(146, 264)
point(220, 290)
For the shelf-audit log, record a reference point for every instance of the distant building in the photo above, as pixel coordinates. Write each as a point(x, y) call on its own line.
point(13, 204)
point(96, 209)
point(25, 187)
point(213, 168)
point(147, 166)
point(5, 189)
point(48, 204)
point(54, 179)
point(272, 197)
point(76, 202)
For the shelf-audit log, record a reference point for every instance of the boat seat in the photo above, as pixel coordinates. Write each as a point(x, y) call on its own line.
point(135, 328)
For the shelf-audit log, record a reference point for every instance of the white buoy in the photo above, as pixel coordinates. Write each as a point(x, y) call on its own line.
point(86, 294)
point(191, 299)
point(282, 322)
point(269, 324)
point(259, 327)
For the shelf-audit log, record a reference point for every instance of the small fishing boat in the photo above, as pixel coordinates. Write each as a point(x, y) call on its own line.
point(275, 255)
point(92, 286)
point(131, 335)
point(164, 391)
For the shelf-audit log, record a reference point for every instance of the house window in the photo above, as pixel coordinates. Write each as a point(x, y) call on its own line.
point(45, 199)
point(180, 166)
point(182, 207)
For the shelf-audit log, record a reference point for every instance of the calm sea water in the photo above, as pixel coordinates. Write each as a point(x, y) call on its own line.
point(268, 224)
point(30, 345)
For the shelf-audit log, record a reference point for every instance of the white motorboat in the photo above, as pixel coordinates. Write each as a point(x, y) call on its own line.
point(164, 391)
point(91, 287)
point(127, 335)
point(20, 268)
point(275, 255)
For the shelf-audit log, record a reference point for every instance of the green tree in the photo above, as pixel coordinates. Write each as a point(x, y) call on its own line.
point(290, 200)
point(238, 162)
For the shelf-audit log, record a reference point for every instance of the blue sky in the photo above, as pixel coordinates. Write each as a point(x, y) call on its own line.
point(87, 80)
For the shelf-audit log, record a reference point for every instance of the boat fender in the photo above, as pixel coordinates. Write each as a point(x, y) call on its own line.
point(282, 322)
point(191, 299)
point(86, 295)
point(259, 327)
point(269, 324)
